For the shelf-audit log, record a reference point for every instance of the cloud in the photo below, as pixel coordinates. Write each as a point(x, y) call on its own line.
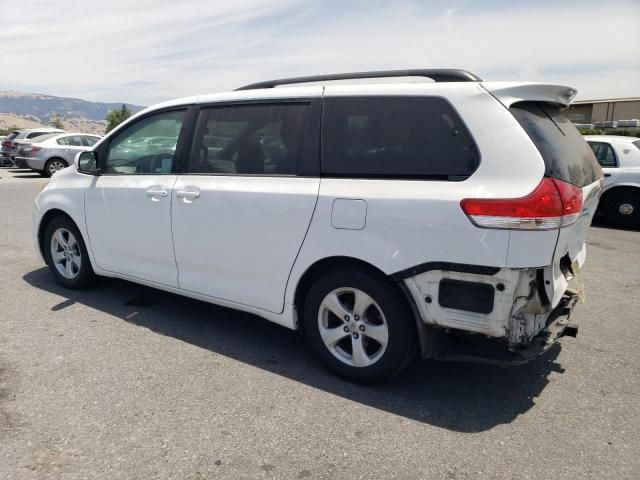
point(149, 50)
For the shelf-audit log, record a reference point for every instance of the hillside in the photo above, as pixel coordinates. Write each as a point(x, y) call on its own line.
point(28, 110)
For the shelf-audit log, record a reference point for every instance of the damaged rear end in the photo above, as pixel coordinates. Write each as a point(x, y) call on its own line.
point(511, 315)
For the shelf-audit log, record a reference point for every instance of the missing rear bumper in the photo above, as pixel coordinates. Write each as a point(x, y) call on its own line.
point(479, 349)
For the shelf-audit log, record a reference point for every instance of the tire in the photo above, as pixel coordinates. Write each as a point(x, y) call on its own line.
point(71, 267)
point(53, 165)
point(353, 346)
point(621, 208)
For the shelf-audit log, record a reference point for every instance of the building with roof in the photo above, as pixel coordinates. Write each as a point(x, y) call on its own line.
point(605, 110)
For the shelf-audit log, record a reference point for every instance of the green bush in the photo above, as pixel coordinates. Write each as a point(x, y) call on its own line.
point(625, 132)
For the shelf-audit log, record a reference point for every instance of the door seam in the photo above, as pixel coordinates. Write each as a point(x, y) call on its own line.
point(173, 246)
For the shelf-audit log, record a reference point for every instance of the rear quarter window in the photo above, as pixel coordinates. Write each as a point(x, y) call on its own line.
point(396, 137)
point(566, 154)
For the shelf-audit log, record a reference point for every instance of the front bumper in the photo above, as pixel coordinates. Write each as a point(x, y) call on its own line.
point(477, 348)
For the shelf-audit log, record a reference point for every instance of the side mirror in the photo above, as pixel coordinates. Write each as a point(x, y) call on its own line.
point(87, 162)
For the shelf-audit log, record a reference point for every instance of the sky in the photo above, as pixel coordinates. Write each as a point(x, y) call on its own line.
point(146, 51)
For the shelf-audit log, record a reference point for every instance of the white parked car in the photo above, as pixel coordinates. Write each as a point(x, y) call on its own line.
point(620, 161)
point(382, 220)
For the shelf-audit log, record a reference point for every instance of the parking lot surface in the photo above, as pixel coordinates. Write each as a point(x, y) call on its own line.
point(122, 381)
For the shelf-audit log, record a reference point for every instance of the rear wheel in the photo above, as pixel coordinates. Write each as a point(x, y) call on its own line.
point(54, 165)
point(621, 208)
point(360, 325)
point(66, 254)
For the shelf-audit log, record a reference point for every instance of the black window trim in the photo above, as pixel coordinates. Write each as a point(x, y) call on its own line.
point(309, 165)
point(185, 132)
point(615, 155)
point(84, 136)
point(419, 178)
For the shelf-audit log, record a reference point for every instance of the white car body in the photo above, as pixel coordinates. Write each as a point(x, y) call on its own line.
point(619, 157)
point(263, 234)
point(626, 171)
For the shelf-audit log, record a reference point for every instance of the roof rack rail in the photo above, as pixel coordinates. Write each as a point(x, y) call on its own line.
point(437, 75)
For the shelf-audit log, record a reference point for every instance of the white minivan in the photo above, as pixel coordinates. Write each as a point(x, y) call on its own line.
point(443, 218)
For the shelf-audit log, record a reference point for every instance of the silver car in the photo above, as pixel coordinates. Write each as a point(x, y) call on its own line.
point(10, 144)
point(619, 158)
point(51, 153)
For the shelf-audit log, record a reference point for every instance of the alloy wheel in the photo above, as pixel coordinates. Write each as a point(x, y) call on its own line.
point(56, 165)
point(353, 327)
point(65, 253)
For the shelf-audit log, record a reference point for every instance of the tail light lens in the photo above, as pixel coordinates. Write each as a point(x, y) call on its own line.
point(553, 204)
point(35, 149)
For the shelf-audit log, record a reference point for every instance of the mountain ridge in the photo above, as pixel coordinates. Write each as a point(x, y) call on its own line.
point(28, 110)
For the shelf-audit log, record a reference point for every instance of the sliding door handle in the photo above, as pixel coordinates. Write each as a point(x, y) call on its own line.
point(188, 194)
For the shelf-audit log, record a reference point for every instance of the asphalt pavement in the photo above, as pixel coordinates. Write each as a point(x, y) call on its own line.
point(126, 382)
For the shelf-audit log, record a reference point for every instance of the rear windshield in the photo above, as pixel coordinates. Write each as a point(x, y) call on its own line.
point(12, 135)
point(637, 143)
point(566, 154)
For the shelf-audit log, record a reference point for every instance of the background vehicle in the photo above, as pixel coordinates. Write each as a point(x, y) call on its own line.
point(3, 161)
point(380, 219)
point(10, 144)
point(49, 153)
point(619, 158)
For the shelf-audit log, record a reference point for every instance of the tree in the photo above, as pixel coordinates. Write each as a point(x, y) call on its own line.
point(116, 117)
point(56, 122)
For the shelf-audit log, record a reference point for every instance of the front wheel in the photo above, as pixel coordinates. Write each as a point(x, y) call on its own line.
point(66, 254)
point(360, 325)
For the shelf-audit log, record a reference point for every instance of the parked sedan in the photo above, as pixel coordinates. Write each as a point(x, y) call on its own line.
point(10, 144)
point(49, 154)
point(619, 158)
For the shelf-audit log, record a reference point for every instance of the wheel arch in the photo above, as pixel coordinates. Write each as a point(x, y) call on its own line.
point(634, 187)
point(56, 157)
point(329, 263)
point(44, 222)
point(51, 159)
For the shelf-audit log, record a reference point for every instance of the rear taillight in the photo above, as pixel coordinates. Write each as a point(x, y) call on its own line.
point(553, 204)
point(35, 149)
point(7, 143)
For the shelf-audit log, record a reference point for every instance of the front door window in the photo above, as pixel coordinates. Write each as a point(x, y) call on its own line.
point(147, 146)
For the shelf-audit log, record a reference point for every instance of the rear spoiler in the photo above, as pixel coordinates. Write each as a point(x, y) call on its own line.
point(509, 93)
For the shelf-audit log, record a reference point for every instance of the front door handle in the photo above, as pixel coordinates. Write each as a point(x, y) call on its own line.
point(607, 174)
point(157, 192)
